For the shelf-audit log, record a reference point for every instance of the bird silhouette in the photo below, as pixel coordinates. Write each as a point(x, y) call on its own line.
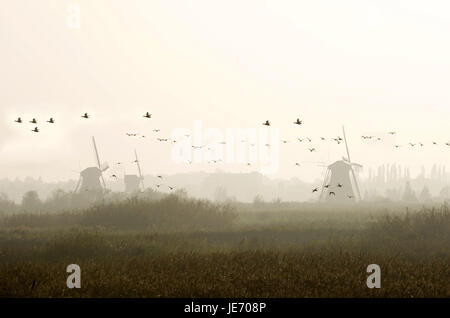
point(158, 185)
point(51, 121)
point(284, 141)
point(171, 188)
point(18, 120)
point(350, 196)
point(297, 164)
point(159, 177)
point(315, 190)
point(156, 130)
point(332, 193)
point(35, 130)
point(85, 115)
point(267, 123)
point(298, 122)
point(340, 185)
point(33, 121)
point(326, 186)
point(434, 143)
point(312, 149)
point(392, 132)
point(148, 115)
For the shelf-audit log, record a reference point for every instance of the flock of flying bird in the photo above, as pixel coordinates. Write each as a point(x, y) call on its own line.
point(298, 122)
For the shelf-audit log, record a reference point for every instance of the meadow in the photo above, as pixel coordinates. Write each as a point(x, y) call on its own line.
point(175, 246)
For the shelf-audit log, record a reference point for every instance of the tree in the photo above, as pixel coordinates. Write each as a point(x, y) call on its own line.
point(409, 195)
point(6, 205)
point(258, 200)
point(220, 194)
point(445, 192)
point(31, 201)
point(425, 195)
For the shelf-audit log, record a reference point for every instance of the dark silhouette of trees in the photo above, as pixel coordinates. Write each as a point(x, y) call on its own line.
point(31, 201)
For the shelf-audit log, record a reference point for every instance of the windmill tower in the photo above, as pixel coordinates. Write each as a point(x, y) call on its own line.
point(133, 182)
point(90, 177)
point(340, 182)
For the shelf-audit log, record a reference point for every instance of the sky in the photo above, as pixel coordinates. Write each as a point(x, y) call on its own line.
point(371, 66)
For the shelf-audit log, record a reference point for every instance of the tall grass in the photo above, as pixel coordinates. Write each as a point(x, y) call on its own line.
point(171, 213)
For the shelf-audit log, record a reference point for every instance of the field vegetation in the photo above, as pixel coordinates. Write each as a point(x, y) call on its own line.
point(174, 246)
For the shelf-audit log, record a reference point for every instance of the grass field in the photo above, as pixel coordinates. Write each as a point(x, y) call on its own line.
point(178, 247)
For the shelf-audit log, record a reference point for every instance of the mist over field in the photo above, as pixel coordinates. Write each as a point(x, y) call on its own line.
point(238, 149)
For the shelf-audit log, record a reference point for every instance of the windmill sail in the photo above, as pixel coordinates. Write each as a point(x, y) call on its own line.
point(139, 169)
point(98, 162)
point(355, 182)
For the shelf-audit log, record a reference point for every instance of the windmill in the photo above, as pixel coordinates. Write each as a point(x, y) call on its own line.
point(340, 182)
point(132, 181)
point(90, 177)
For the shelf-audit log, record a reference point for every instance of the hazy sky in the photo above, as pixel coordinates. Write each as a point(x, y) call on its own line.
point(373, 66)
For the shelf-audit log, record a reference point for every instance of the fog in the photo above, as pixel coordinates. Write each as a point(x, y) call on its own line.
point(373, 67)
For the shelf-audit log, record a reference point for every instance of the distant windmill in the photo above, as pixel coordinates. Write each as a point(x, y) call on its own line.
point(132, 181)
point(90, 177)
point(340, 179)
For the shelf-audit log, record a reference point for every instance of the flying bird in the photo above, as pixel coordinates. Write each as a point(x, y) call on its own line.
point(312, 149)
point(34, 121)
point(85, 115)
point(298, 122)
point(171, 188)
point(332, 193)
point(35, 130)
point(148, 115)
point(339, 185)
point(267, 123)
point(18, 120)
point(156, 130)
point(51, 121)
point(315, 190)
